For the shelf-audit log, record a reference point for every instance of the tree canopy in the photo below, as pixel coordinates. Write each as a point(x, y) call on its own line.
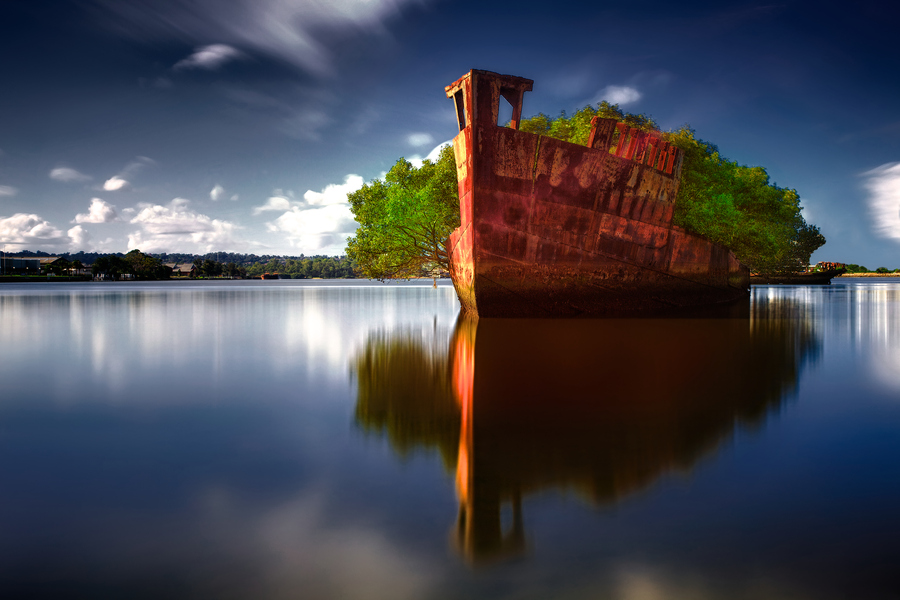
point(405, 220)
point(731, 204)
point(136, 263)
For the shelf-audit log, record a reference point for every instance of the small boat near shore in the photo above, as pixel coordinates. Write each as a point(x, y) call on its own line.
point(813, 278)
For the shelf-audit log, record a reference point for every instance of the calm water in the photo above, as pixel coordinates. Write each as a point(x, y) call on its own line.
point(354, 440)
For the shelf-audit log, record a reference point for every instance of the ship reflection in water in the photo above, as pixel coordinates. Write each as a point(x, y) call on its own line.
point(601, 408)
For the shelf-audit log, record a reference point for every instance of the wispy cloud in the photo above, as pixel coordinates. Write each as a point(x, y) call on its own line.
point(883, 185)
point(297, 111)
point(419, 139)
point(136, 166)
point(175, 227)
point(123, 179)
point(68, 175)
point(284, 29)
point(23, 230)
point(209, 57)
point(98, 212)
point(8, 190)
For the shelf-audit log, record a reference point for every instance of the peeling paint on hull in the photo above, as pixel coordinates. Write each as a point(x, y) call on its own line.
point(549, 228)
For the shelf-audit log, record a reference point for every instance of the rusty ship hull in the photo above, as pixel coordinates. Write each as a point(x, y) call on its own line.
point(550, 228)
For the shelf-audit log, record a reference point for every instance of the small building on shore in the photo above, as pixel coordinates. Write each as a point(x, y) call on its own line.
point(19, 266)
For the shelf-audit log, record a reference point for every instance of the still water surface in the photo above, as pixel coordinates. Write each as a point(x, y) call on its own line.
point(356, 440)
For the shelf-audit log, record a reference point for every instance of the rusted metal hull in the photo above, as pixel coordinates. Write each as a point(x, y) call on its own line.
point(817, 278)
point(550, 228)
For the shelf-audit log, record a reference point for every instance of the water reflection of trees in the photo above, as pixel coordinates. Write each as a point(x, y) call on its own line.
point(404, 390)
point(602, 408)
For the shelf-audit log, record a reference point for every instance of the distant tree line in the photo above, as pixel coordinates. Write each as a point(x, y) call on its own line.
point(325, 267)
point(141, 266)
point(243, 266)
point(135, 264)
point(862, 269)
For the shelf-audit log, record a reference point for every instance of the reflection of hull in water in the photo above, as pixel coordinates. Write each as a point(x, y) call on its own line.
point(600, 407)
point(549, 228)
point(603, 408)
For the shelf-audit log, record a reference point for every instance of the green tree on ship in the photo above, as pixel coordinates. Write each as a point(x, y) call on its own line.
point(406, 219)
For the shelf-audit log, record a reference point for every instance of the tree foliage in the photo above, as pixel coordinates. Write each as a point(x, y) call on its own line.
point(731, 204)
point(324, 267)
point(577, 128)
point(405, 220)
point(404, 390)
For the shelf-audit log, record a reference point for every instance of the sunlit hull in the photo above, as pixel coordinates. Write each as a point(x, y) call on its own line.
point(550, 228)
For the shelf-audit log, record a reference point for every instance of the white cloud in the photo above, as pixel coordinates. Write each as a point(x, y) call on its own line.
point(115, 183)
point(217, 193)
point(273, 203)
point(285, 29)
point(317, 230)
point(436, 153)
point(99, 212)
point(619, 94)
point(27, 230)
point(68, 175)
point(334, 193)
point(123, 179)
point(417, 161)
point(174, 227)
point(80, 238)
point(419, 139)
point(321, 223)
point(8, 190)
point(235, 198)
point(209, 57)
point(883, 185)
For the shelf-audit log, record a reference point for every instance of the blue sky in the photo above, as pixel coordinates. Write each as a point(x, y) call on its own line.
point(240, 125)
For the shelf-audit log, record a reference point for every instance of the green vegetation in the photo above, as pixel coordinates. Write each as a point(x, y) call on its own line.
point(731, 204)
point(137, 265)
point(577, 128)
point(852, 268)
point(404, 391)
point(405, 220)
point(325, 267)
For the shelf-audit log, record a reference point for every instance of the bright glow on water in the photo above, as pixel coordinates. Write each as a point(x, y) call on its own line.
point(354, 440)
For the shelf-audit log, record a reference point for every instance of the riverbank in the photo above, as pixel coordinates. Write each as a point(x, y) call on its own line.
point(41, 278)
point(870, 275)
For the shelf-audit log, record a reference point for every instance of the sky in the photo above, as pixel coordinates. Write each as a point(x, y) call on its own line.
point(240, 125)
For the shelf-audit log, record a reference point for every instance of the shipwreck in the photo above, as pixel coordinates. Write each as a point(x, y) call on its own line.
point(551, 228)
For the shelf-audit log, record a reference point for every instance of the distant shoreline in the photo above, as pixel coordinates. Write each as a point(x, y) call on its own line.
point(869, 275)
